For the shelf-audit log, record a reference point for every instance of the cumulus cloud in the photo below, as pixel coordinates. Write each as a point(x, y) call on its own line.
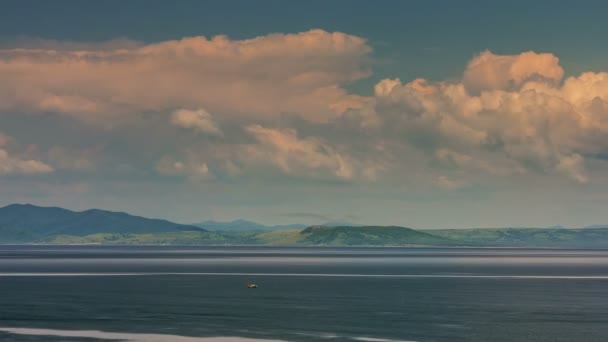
point(572, 166)
point(265, 76)
point(272, 151)
point(447, 183)
point(487, 163)
point(508, 115)
point(489, 71)
point(170, 167)
point(10, 165)
point(294, 155)
point(199, 120)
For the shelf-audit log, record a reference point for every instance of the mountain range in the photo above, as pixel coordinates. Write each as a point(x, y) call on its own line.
point(243, 226)
point(25, 223)
point(248, 226)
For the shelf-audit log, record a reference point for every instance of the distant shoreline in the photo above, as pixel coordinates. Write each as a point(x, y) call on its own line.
point(301, 246)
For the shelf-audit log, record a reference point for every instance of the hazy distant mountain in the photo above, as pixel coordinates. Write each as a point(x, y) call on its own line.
point(26, 223)
point(339, 224)
point(597, 226)
point(244, 226)
point(232, 226)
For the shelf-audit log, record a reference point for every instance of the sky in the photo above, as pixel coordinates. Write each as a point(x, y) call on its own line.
point(434, 114)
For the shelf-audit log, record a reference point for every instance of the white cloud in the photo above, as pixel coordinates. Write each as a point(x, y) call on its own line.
point(294, 155)
point(489, 71)
point(199, 120)
point(509, 114)
point(10, 165)
point(273, 152)
point(572, 166)
point(193, 169)
point(264, 77)
point(448, 183)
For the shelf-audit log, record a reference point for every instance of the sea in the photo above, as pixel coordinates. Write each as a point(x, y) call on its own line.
point(200, 294)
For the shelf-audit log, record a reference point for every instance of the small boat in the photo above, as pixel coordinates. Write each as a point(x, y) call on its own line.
point(252, 286)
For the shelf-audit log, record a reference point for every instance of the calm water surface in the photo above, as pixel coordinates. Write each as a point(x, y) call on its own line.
point(162, 294)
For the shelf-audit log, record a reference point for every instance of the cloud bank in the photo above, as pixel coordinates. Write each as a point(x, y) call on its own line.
point(265, 76)
point(507, 115)
point(278, 105)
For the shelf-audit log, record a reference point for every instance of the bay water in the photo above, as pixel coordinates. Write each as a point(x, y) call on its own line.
point(192, 294)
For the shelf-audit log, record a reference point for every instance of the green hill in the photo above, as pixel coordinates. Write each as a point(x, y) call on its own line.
point(311, 236)
point(370, 236)
point(527, 237)
point(356, 236)
point(195, 238)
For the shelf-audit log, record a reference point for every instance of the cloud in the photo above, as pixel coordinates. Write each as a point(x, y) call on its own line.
point(195, 170)
point(489, 71)
point(270, 153)
point(294, 155)
point(572, 166)
point(263, 77)
point(13, 165)
point(71, 159)
point(448, 183)
point(10, 165)
point(279, 105)
point(488, 163)
point(4, 139)
point(307, 216)
point(199, 120)
point(510, 114)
